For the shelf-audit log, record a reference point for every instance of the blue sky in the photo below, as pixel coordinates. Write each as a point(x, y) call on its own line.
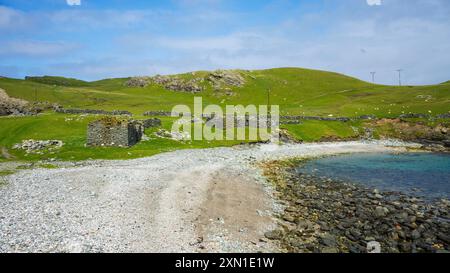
point(95, 39)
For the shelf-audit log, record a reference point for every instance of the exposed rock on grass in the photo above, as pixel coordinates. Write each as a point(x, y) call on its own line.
point(285, 137)
point(173, 83)
point(138, 82)
point(434, 138)
point(153, 122)
point(224, 78)
point(38, 146)
point(12, 106)
point(178, 84)
point(173, 135)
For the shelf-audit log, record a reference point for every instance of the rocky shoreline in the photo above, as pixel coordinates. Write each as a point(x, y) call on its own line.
point(330, 216)
point(180, 201)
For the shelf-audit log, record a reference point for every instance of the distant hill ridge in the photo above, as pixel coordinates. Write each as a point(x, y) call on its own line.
point(54, 80)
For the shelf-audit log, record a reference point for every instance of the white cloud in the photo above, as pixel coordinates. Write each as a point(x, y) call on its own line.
point(11, 18)
point(73, 2)
point(36, 48)
point(170, 41)
point(374, 2)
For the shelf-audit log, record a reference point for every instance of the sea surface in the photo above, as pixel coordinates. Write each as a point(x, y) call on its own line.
point(425, 175)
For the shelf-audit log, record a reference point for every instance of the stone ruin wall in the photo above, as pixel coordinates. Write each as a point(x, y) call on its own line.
point(121, 133)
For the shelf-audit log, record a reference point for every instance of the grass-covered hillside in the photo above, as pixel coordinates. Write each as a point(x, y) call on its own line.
point(297, 91)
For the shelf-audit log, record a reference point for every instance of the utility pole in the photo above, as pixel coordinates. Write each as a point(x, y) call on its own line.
point(399, 76)
point(373, 76)
point(35, 94)
point(268, 99)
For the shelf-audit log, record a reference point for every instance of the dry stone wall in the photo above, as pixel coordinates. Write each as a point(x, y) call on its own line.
point(93, 112)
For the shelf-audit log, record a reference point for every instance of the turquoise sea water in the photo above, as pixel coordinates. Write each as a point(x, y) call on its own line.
point(422, 174)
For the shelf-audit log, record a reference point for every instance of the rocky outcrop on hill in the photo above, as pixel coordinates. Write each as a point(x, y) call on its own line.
point(138, 82)
point(178, 84)
point(19, 107)
point(223, 78)
point(12, 106)
point(220, 80)
point(168, 82)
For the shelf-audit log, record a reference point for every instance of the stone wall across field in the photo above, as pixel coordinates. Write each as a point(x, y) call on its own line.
point(444, 116)
point(297, 119)
point(344, 119)
point(158, 113)
point(153, 122)
point(93, 112)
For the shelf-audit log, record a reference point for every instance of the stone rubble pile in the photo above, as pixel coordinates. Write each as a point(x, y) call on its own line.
point(179, 136)
point(38, 146)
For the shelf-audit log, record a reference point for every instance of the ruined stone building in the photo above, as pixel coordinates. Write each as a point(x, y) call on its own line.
point(112, 131)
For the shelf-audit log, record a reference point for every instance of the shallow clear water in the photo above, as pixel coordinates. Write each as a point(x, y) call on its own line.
point(421, 174)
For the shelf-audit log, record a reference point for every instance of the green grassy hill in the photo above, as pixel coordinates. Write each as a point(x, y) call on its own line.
point(297, 91)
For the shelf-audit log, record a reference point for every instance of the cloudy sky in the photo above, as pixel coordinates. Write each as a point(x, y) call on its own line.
point(94, 39)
